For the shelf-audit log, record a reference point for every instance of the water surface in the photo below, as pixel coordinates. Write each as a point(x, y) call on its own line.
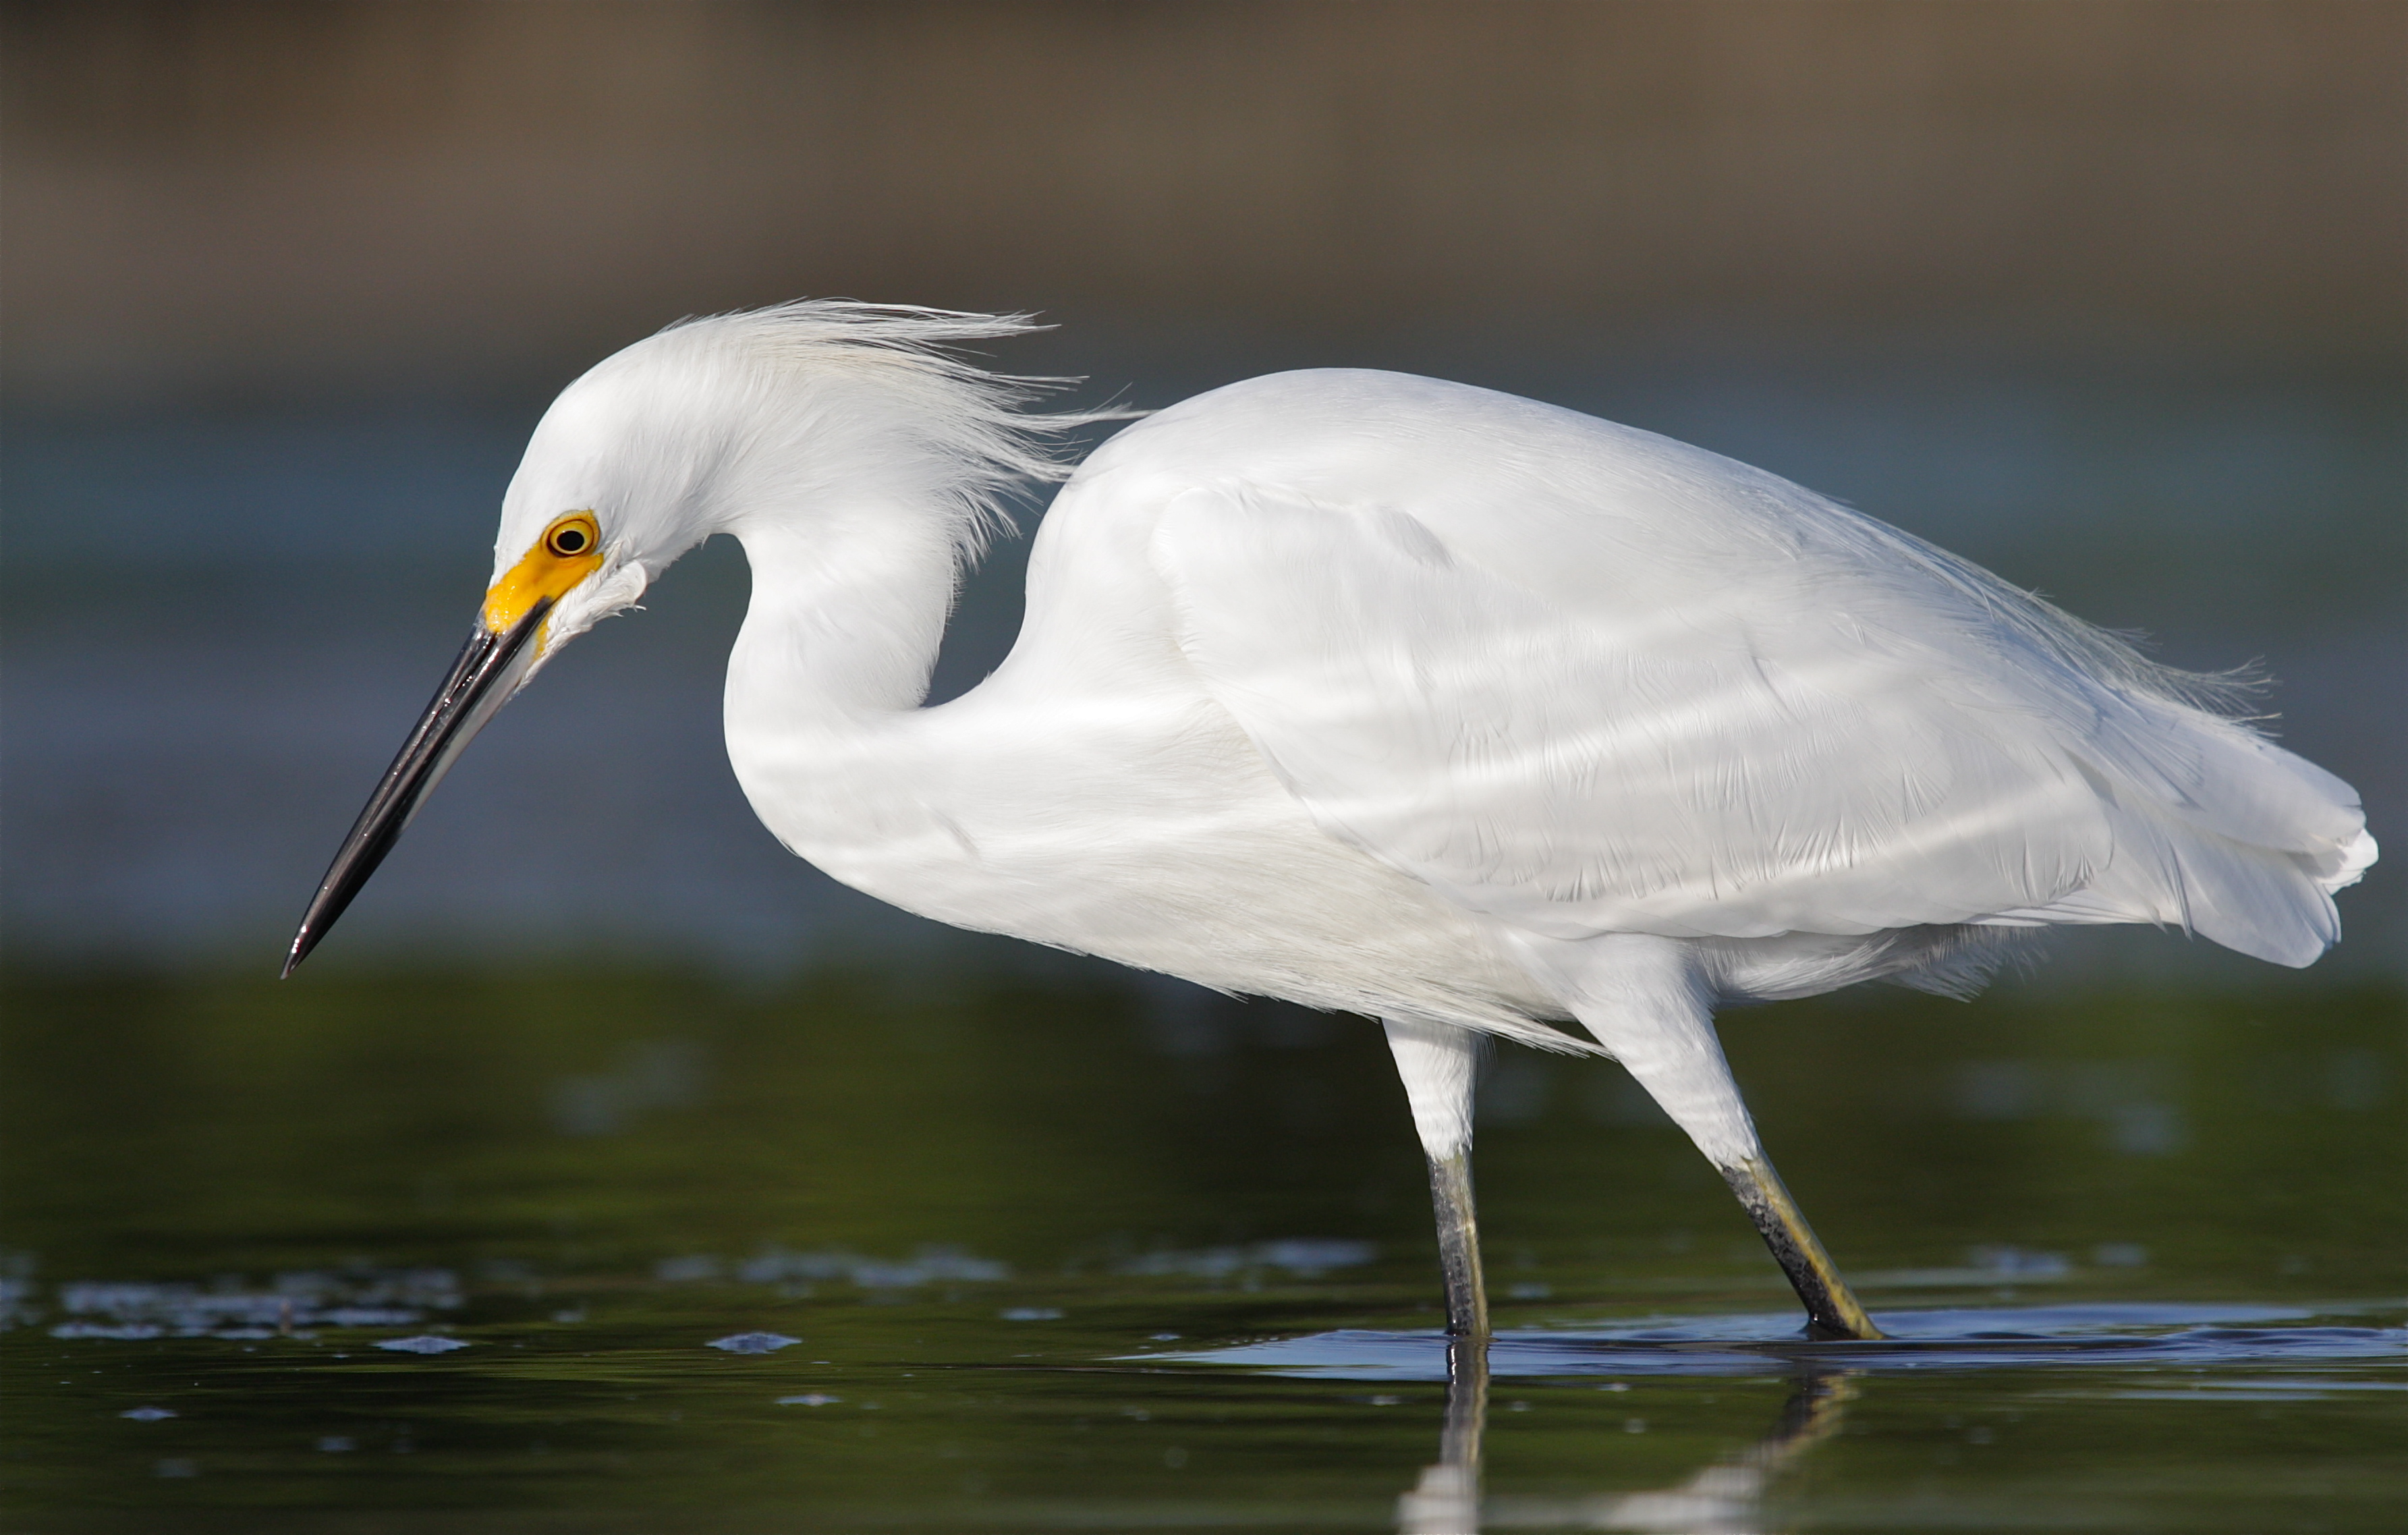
point(587, 1249)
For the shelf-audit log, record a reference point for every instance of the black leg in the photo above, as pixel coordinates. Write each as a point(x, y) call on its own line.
point(1458, 1245)
point(1832, 1312)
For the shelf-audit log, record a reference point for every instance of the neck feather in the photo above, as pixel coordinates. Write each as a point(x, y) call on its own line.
point(845, 619)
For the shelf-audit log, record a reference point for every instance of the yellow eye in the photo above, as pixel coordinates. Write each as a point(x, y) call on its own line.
point(573, 535)
point(570, 550)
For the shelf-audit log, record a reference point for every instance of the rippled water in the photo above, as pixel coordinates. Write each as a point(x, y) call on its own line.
point(1958, 1338)
point(591, 1251)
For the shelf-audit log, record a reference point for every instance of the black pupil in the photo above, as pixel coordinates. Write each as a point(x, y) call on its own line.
point(569, 540)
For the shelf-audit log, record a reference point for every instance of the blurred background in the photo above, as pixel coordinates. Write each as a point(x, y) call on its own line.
point(2106, 295)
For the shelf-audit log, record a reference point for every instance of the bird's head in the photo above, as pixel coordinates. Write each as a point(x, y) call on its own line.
point(790, 413)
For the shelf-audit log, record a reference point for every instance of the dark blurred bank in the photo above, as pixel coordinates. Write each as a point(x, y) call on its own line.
point(2108, 295)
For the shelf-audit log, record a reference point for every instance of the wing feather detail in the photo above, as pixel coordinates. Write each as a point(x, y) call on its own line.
point(1729, 709)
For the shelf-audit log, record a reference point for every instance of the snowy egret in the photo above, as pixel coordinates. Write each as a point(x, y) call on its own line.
point(1392, 695)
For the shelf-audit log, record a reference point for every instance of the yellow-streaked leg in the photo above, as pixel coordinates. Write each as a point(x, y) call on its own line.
point(1458, 1245)
point(1832, 1311)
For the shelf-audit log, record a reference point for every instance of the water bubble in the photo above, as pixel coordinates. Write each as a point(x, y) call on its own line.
point(426, 1343)
point(794, 1271)
point(2002, 1261)
point(753, 1342)
point(127, 1331)
point(1306, 1257)
point(147, 1415)
point(2147, 1129)
point(361, 1297)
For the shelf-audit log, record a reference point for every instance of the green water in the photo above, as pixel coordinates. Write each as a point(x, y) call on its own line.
point(1053, 1255)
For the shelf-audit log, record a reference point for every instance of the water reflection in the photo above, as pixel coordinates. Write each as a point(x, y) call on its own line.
point(1446, 1500)
point(1725, 1498)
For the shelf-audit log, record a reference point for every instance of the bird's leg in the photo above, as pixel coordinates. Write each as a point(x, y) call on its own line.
point(1439, 1062)
point(1832, 1312)
point(1458, 1245)
point(1643, 998)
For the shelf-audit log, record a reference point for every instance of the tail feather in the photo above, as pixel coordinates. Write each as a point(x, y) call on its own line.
point(2221, 832)
point(2265, 904)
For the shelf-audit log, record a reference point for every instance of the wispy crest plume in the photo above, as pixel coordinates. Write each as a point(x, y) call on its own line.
point(980, 419)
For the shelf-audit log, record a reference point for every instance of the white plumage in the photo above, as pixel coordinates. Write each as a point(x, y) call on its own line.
point(1378, 693)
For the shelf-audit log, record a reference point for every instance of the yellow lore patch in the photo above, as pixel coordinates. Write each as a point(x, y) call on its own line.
point(570, 550)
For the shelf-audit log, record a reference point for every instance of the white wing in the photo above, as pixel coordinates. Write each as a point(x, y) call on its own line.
point(1587, 679)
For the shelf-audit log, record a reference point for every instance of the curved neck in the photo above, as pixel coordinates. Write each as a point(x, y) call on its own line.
point(845, 618)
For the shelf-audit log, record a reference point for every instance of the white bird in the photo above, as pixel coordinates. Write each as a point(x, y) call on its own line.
point(1391, 695)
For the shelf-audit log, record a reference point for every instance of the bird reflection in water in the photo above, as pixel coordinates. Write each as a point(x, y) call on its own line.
point(1725, 1498)
point(1447, 1497)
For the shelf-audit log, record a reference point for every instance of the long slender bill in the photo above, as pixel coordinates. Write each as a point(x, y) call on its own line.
point(490, 668)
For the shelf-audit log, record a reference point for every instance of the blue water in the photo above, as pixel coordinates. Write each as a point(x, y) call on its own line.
point(2198, 1337)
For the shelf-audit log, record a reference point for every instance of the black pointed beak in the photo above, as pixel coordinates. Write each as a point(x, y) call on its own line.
point(490, 668)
